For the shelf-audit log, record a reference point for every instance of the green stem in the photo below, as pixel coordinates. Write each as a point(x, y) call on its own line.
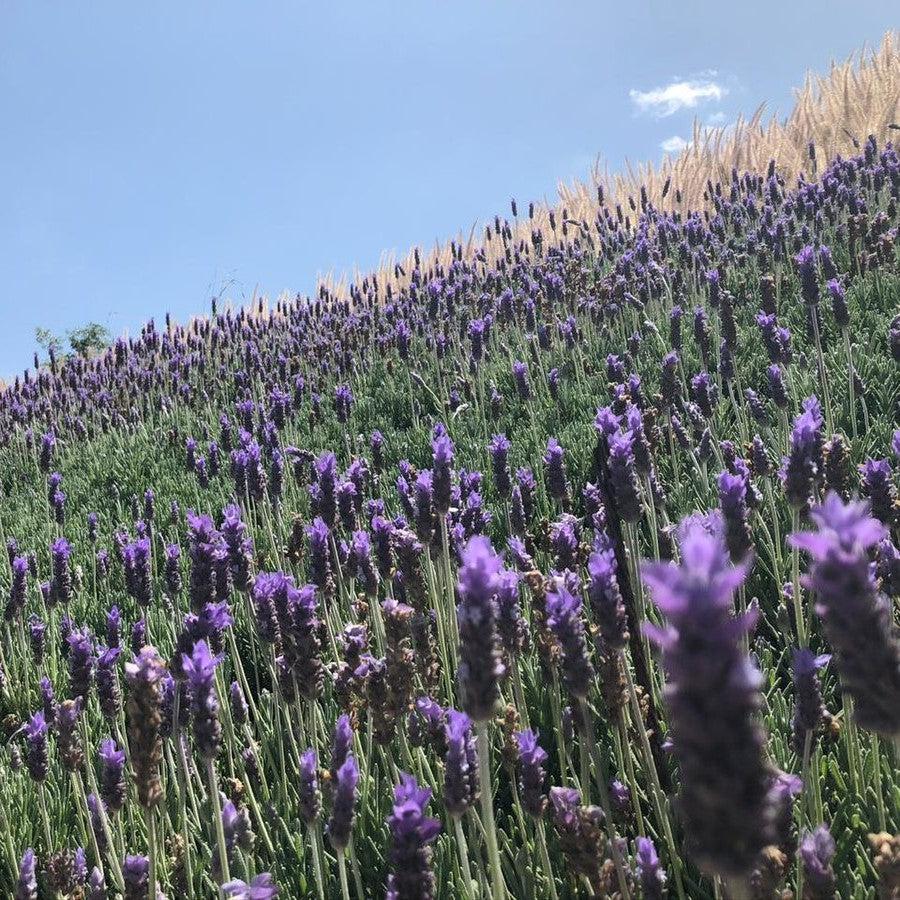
point(498, 888)
point(220, 828)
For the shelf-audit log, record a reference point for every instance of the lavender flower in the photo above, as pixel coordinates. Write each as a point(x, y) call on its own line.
point(713, 696)
point(340, 824)
point(566, 623)
point(499, 450)
point(310, 797)
point(260, 887)
point(136, 872)
point(650, 871)
point(531, 773)
point(37, 759)
point(27, 886)
point(112, 775)
point(809, 708)
point(555, 472)
point(623, 476)
point(461, 783)
point(144, 675)
point(816, 854)
point(809, 277)
point(200, 669)
point(480, 668)
point(857, 620)
point(442, 453)
point(733, 500)
point(412, 833)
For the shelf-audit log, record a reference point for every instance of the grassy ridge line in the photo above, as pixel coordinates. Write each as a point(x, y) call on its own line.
point(836, 112)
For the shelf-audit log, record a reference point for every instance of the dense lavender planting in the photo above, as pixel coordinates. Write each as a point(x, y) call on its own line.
point(540, 580)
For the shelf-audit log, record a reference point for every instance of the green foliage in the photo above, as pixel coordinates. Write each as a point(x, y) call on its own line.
point(89, 339)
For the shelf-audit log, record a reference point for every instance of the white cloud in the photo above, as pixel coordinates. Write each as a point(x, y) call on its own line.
point(674, 144)
point(668, 100)
point(717, 118)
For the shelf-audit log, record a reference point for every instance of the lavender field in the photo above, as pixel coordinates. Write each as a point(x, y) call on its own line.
point(566, 568)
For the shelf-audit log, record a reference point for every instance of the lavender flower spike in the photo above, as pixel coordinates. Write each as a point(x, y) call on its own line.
point(480, 667)
point(412, 833)
point(342, 809)
point(713, 696)
point(26, 886)
point(650, 871)
point(856, 618)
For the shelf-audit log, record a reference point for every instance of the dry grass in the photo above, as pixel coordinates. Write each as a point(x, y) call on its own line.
point(836, 112)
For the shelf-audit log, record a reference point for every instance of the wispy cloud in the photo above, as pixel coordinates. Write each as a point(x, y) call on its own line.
point(678, 95)
point(674, 144)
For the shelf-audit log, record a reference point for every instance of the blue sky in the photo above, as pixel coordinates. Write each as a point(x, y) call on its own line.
point(151, 156)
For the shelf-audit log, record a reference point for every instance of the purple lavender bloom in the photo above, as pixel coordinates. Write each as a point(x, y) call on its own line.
point(347, 502)
point(856, 619)
point(319, 535)
point(623, 476)
point(81, 662)
point(136, 872)
point(37, 639)
point(442, 454)
point(108, 692)
point(113, 788)
point(376, 445)
point(423, 492)
point(37, 759)
point(511, 627)
point(18, 589)
point(48, 445)
point(816, 854)
point(61, 586)
point(138, 577)
point(733, 500)
point(27, 886)
point(480, 667)
point(777, 390)
point(361, 563)
point(238, 704)
point(310, 800)
point(703, 391)
point(809, 708)
point(713, 696)
point(878, 487)
point(802, 466)
point(605, 598)
point(260, 887)
point(138, 636)
point(566, 622)
point(555, 472)
point(325, 468)
point(209, 575)
point(382, 533)
point(172, 571)
point(670, 386)
point(48, 701)
point(341, 742)
point(650, 871)
point(520, 376)
point(113, 626)
point(96, 884)
point(531, 773)
point(809, 276)
point(200, 670)
point(499, 450)
point(461, 784)
point(412, 833)
point(340, 824)
point(838, 302)
point(564, 542)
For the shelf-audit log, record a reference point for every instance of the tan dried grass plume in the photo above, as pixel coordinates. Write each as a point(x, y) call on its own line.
point(836, 112)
